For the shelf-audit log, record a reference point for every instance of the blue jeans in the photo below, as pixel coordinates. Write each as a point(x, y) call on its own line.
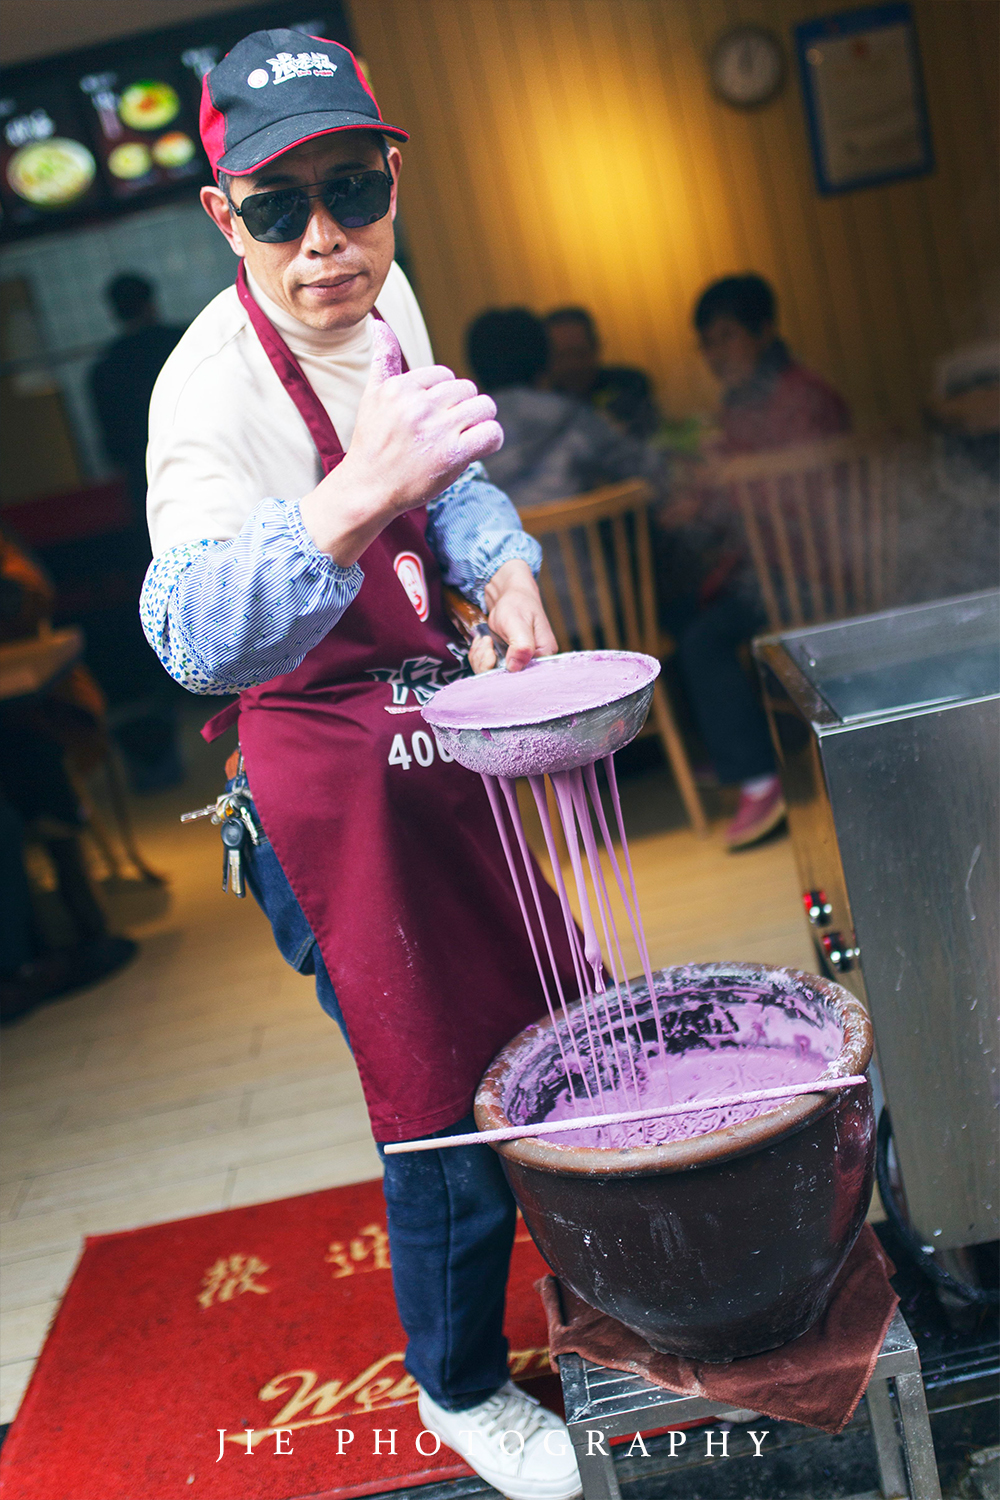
point(450, 1214)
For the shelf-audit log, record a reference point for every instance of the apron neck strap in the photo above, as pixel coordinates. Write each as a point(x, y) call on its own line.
point(290, 373)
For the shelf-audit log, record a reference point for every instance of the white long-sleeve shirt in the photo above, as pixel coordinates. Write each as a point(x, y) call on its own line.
point(237, 592)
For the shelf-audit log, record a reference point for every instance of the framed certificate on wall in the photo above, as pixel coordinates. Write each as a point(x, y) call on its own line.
point(864, 97)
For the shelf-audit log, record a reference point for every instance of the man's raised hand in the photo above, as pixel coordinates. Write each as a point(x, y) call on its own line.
point(421, 429)
point(387, 356)
point(414, 435)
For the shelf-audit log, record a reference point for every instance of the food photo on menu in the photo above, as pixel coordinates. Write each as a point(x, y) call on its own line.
point(77, 142)
point(144, 130)
point(46, 161)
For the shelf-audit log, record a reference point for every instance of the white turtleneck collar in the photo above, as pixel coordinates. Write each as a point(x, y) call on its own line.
point(222, 434)
point(317, 342)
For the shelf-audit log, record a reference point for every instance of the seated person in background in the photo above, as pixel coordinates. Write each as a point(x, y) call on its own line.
point(710, 601)
point(38, 735)
point(622, 393)
point(554, 445)
point(769, 400)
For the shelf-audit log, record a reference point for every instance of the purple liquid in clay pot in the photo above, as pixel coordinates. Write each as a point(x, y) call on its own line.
point(714, 1234)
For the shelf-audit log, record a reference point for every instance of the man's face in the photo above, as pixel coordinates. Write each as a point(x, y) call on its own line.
point(330, 276)
point(731, 351)
point(572, 358)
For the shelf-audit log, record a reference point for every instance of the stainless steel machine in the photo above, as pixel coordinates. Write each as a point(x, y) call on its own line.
point(888, 733)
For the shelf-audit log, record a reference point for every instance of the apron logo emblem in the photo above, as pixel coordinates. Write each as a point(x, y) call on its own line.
point(420, 675)
point(410, 571)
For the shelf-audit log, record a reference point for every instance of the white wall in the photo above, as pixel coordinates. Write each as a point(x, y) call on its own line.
point(176, 247)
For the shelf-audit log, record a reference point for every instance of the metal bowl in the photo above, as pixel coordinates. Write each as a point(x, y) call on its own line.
point(552, 744)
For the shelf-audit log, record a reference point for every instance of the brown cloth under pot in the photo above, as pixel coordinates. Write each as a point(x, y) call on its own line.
point(818, 1379)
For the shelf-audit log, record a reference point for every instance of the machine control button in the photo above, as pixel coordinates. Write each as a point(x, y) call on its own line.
point(818, 909)
point(842, 957)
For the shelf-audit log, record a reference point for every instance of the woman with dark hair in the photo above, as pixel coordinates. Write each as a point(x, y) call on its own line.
point(769, 400)
point(712, 605)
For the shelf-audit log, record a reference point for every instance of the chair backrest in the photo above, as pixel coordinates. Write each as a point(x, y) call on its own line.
point(822, 526)
point(621, 589)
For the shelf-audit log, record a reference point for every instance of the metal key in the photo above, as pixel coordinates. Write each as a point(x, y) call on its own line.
point(240, 807)
point(216, 810)
point(248, 819)
point(234, 834)
point(200, 812)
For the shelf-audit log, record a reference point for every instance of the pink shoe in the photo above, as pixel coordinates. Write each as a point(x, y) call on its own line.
point(757, 815)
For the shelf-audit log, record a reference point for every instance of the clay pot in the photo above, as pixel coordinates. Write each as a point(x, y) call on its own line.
point(720, 1245)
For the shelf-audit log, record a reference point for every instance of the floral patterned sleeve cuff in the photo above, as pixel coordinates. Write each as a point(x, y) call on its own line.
point(473, 529)
point(223, 616)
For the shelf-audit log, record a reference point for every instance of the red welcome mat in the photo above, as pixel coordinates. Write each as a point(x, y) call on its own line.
point(274, 1317)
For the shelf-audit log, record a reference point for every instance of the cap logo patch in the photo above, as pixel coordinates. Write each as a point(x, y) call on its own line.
point(287, 65)
point(245, 122)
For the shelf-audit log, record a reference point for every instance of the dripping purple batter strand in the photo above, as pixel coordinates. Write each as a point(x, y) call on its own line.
point(510, 796)
point(614, 1044)
point(603, 907)
point(537, 784)
point(491, 791)
point(632, 908)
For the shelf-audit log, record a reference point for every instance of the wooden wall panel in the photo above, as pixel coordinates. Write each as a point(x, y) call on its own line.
point(572, 151)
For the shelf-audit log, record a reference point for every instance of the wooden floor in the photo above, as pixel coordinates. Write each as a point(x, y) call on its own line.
point(205, 1075)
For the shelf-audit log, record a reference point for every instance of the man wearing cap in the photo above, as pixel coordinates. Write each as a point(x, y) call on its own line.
point(313, 480)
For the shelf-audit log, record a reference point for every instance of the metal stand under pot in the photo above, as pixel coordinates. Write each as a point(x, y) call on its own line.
point(602, 1404)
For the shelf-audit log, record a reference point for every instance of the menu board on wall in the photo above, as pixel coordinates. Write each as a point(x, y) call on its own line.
point(47, 162)
point(144, 124)
point(96, 132)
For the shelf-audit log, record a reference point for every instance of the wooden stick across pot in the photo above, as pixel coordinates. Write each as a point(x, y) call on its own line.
point(624, 1117)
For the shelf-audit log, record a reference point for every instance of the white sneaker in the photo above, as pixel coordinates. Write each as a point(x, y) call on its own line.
point(512, 1442)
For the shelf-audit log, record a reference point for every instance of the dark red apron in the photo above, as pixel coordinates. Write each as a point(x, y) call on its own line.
point(390, 848)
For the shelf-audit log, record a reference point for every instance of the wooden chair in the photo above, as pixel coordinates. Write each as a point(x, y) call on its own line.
point(623, 592)
point(822, 525)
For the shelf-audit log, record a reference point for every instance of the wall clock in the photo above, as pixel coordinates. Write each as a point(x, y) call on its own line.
point(747, 66)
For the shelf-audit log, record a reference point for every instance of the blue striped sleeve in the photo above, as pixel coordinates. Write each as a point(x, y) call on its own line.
point(223, 616)
point(473, 529)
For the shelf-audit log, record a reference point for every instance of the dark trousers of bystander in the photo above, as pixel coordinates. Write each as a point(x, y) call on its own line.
point(726, 708)
point(450, 1214)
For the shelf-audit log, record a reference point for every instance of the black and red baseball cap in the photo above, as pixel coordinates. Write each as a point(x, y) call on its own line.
point(276, 89)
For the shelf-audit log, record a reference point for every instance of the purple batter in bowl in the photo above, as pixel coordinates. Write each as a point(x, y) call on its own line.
point(560, 712)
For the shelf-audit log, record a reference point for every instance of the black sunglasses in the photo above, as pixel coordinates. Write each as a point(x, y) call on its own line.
point(282, 215)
